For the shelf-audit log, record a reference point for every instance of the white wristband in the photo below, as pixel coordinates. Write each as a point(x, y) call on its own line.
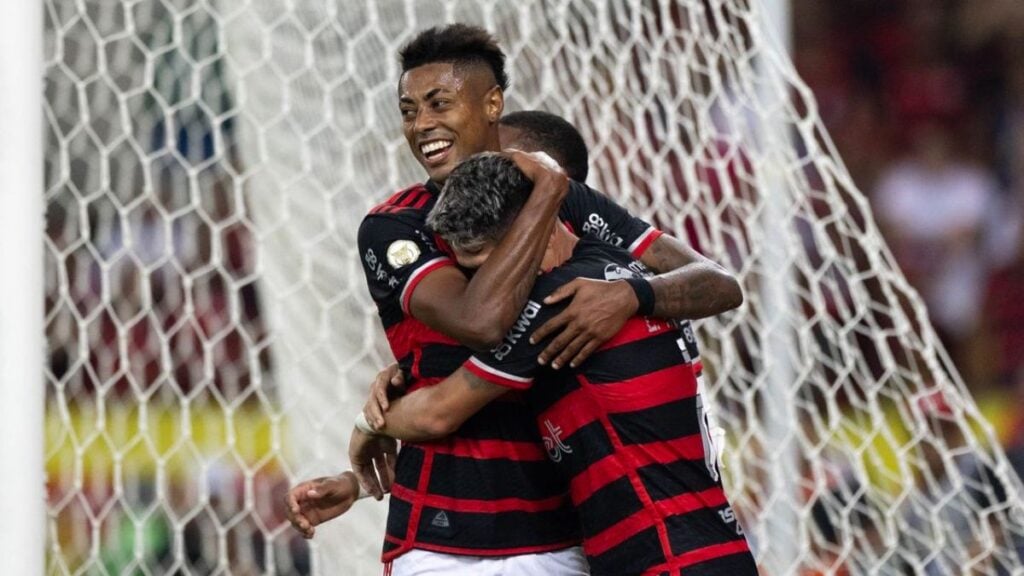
point(363, 425)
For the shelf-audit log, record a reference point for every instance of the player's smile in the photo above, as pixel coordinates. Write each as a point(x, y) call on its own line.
point(435, 152)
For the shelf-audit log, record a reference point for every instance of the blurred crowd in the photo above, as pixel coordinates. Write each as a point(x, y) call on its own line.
point(925, 102)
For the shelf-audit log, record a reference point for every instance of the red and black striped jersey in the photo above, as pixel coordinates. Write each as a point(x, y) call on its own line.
point(628, 432)
point(489, 489)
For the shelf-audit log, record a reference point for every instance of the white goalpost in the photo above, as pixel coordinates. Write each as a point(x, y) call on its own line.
point(209, 333)
point(21, 306)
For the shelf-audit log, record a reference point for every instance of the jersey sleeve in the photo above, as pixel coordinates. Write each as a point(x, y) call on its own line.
point(588, 211)
point(396, 255)
point(513, 363)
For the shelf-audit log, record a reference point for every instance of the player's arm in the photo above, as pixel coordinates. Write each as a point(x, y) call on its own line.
point(689, 285)
point(436, 411)
point(477, 313)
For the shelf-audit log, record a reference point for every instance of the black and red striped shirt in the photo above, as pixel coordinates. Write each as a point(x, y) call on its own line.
point(489, 489)
point(628, 431)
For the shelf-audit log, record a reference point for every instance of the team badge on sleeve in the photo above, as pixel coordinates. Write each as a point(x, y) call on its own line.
point(402, 253)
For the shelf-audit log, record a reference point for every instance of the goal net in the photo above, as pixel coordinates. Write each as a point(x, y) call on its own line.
point(210, 336)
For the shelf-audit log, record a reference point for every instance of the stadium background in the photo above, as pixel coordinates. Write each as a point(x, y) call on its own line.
point(891, 81)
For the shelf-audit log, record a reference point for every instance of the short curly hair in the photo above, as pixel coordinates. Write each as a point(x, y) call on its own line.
point(456, 43)
point(480, 199)
point(554, 135)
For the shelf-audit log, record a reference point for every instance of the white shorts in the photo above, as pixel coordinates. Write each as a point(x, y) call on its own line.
point(568, 562)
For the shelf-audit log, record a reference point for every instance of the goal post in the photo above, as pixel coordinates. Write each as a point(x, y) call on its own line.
point(22, 501)
point(210, 336)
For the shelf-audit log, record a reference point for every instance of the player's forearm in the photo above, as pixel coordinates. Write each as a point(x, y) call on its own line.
point(418, 417)
point(690, 286)
point(498, 290)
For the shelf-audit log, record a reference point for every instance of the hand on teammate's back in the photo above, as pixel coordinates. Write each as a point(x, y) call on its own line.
point(598, 310)
point(389, 383)
point(316, 501)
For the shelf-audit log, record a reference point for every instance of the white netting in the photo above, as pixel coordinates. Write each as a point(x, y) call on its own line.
point(210, 334)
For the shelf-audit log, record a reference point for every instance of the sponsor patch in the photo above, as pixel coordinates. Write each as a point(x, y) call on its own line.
point(402, 253)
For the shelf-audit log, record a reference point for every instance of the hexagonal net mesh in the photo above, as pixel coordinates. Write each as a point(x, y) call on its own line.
point(210, 336)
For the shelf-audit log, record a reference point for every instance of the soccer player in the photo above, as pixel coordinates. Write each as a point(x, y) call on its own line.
point(626, 427)
point(488, 490)
point(315, 501)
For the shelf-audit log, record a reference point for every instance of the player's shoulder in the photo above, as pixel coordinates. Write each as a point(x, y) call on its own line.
point(593, 259)
point(412, 200)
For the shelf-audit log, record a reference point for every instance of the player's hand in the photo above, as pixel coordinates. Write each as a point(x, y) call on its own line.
point(373, 461)
point(389, 382)
point(542, 170)
point(314, 502)
point(597, 312)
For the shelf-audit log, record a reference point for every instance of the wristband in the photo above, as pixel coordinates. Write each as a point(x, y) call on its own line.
point(644, 295)
point(363, 425)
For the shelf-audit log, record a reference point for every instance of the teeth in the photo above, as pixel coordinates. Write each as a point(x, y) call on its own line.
point(432, 147)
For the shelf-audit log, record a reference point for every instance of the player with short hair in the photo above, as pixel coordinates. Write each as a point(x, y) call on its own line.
point(626, 428)
point(539, 131)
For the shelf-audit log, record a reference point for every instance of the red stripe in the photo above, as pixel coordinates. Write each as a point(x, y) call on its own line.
point(667, 451)
point(596, 476)
point(483, 551)
point(421, 201)
point(638, 328)
point(389, 205)
point(410, 333)
point(685, 503)
point(613, 466)
point(419, 276)
point(490, 449)
point(646, 243)
point(407, 199)
point(572, 412)
point(670, 384)
point(494, 378)
point(478, 506)
point(700, 555)
point(417, 357)
point(415, 498)
point(618, 533)
point(634, 479)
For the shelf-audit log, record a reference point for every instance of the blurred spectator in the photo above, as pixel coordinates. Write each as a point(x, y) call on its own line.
point(933, 206)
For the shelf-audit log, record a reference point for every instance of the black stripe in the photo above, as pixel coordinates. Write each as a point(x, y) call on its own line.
point(702, 528)
point(389, 546)
point(503, 530)
point(588, 444)
point(398, 518)
point(663, 481)
point(475, 479)
point(408, 466)
point(620, 363)
point(608, 506)
point(503, 419)
point(441, 360)
point(632, 556)
point(657, 424)
point(550, 387)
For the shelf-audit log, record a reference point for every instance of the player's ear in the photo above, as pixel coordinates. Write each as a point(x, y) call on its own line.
point(494, 103)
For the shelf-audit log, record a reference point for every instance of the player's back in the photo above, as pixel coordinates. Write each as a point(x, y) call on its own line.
point(628, 430)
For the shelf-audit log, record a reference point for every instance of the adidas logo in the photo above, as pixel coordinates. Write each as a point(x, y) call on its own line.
point(440, 520)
